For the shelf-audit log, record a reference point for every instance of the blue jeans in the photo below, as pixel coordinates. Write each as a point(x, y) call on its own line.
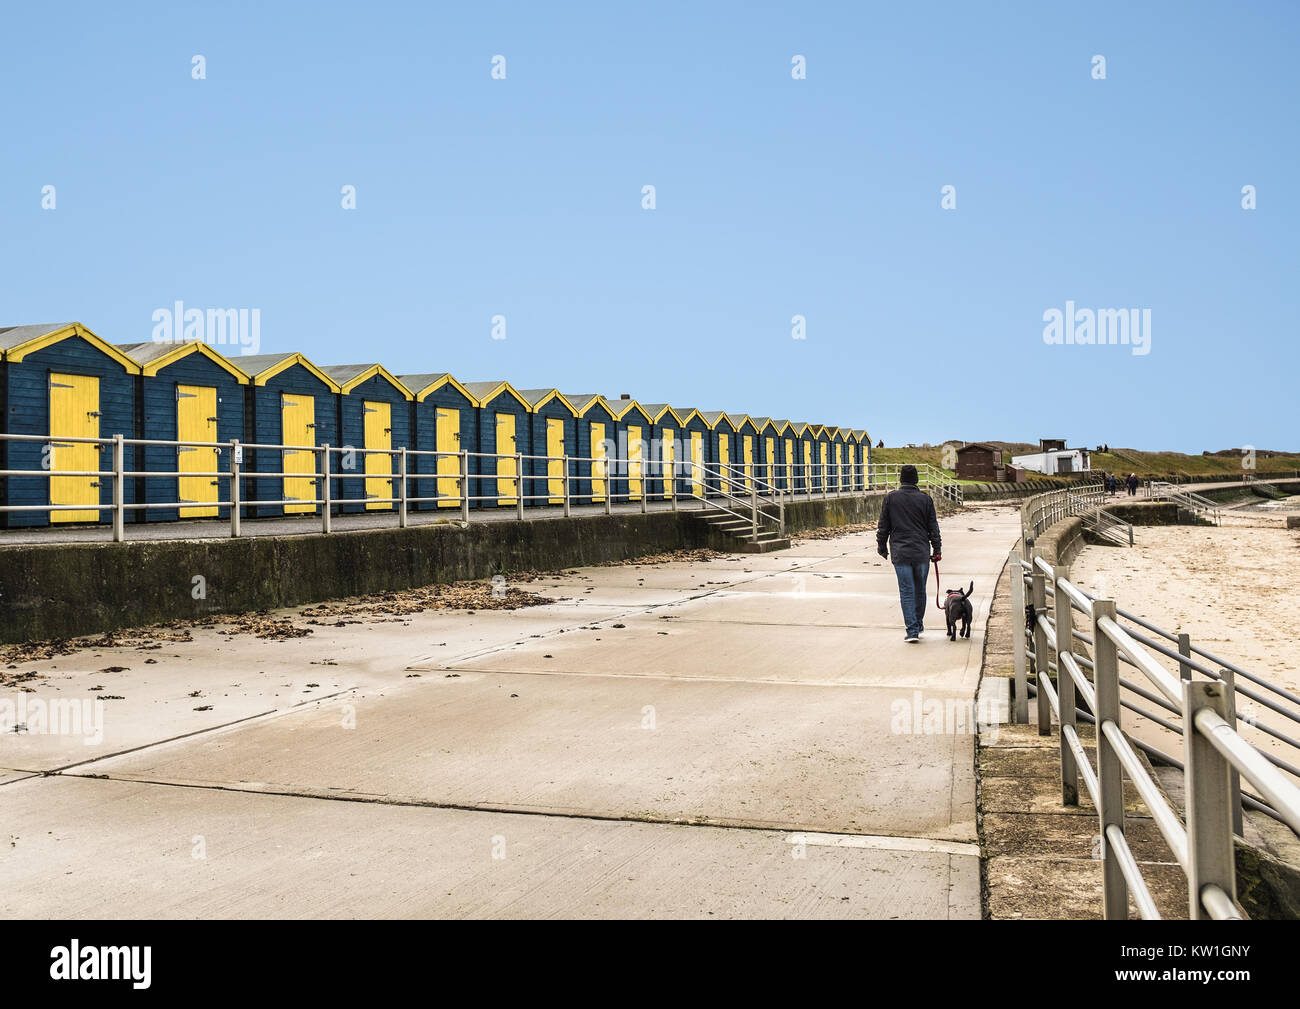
point(912, 595)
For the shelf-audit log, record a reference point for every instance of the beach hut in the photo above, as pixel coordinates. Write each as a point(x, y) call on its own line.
point(596, 446)
point(859, 459)
point(802, 469)
point(553, 433)
point(664, 449)
point(631, 432)
point(61, 381)
point(186, 392)
point(747, 450)
point(722, 441)
point(839, 460)
point(445, 422)
point(502, 439)
point(783, 449)
point(822, 459)
point(767, 451)
point(696, 442)
point(374, 410)
point(290, 402)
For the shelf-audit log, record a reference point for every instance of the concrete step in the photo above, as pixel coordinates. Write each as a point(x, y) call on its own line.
point(763, 546)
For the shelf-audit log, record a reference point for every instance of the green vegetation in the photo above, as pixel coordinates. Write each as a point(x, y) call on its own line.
point(1221, 466)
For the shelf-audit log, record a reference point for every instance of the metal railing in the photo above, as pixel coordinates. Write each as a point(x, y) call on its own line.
point(1109, 527)
point(306, 479)
point(887, 476)
point(1194, 504)
point(1044, 510)
point(1216, 759)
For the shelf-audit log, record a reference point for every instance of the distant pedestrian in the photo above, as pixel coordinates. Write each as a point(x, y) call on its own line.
point(1132, 485)
point(910, 527)
point(1111, 484)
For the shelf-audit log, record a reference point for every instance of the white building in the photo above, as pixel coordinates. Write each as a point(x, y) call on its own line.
point(1057, 461)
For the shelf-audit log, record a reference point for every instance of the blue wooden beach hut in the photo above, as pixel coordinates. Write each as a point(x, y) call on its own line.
point(291, 402)
point(61, 381)
point(446, 422)
point(374, 410)
point(186, 392)
point(502, 437)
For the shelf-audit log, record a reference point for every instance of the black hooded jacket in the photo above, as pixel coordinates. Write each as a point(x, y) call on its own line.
point(910, 524)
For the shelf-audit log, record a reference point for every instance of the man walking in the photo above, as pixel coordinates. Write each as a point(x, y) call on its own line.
point(910, 526)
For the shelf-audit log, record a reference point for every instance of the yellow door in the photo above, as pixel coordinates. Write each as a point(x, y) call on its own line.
point(298, 427)
point(724, 459)
point(507, 470)
point(839, 467)
point(448, 440)
point(597, 462)
point(769, 451)
point(196, 420)
point(825, 467)
point(788, 471)
point(697, 461)
point(74, 413)
point(666, 457)
point(379, 466)
point(748, 449)
point(555, 459)
point(807, 466)
point(634, 463)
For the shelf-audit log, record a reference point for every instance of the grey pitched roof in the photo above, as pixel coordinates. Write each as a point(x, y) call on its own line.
point(418, 383)
point(143, 353)
point(255, 364)
point(344, 373)
point(13, 336)
point(480, 389)
point(582, 400)
point(711, 417)
point(535, 396)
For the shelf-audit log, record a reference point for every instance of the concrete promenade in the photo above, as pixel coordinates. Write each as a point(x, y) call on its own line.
point(738, 737)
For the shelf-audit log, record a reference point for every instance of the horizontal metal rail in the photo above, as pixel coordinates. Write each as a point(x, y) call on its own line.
point(1217, 760)
point(253, 477)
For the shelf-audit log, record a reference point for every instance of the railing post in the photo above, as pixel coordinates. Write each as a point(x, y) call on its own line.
point(609, 485)
point(1110, 774)
point(1017, 575)
point(568, 509)
point(1229, 681)
point(464, 485)
point(1185, 650)
point(323, 481)
point(1042, 673)
point(1207, 788)
point(119, 488)
point(753, 506)
point(672, 476)
point(519, 486)
point(236, 452)
point(401, 487)
point(1065, 687)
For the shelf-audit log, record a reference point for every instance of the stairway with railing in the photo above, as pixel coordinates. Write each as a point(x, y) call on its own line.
point(1189, 504)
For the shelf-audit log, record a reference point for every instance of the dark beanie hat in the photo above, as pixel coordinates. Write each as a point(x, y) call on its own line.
point(907, 474)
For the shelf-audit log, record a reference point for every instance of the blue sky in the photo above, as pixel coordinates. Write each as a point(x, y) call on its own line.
point(775, 197)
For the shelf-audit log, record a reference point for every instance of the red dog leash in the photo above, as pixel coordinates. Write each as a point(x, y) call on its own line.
point(936, 586)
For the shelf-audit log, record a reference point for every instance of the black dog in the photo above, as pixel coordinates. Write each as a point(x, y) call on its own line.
point(957, 607)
